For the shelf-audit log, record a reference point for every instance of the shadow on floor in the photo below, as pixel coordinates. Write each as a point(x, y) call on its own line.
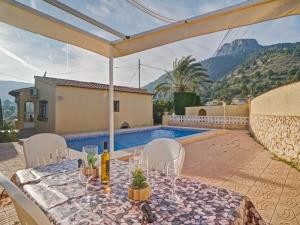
point(7, 151)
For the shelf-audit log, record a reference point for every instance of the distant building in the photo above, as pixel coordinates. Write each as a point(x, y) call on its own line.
point(239, 101)
point(214, 102)
point(69, 106)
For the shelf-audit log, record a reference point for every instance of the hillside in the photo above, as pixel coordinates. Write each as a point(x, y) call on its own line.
point(228, 57)
point(244, 67)
point(7, 86)
point(273, 67)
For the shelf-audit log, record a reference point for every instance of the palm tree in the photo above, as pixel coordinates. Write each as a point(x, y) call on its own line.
point(187, 76)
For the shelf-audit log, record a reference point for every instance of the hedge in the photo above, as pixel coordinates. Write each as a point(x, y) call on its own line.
point(185, 99)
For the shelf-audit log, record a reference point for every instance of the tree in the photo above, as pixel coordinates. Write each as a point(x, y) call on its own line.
point(297, 75)
point(159, 107)
point(1, 115)
point(187, 76)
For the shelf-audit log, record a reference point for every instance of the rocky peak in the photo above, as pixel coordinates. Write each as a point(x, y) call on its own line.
point(239, 47)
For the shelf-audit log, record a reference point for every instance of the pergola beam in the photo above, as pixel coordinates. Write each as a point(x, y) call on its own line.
point(248, 13)
point(24, 17)
point(84, 17)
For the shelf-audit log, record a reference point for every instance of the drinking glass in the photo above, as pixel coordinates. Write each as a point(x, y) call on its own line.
point(85, 178)
point(87, 152)
point(133, 163)
point(172, 175)
point(63, 155)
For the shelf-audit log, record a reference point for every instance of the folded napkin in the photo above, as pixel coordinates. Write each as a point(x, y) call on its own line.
point(45, 196)
point(25, 176)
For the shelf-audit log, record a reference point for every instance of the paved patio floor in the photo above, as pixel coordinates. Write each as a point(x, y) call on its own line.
point(233, 161)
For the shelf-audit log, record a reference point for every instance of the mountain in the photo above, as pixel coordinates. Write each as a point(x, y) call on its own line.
point(227, 58)
point(275, 66)
point(231, 56)
point(7, 86)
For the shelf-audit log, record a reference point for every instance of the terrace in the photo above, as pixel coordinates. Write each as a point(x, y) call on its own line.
point(233, 161)
point(217, 185)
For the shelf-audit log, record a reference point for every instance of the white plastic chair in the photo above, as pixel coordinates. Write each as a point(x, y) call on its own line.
point(42, 149)
point(27, 211)
point(165, 150)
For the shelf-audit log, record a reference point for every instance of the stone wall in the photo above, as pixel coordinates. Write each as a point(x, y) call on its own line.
point(218, 110)
point(279, 134)
point(275, 121)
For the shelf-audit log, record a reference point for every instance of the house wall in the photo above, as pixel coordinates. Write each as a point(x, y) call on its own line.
point(45, 92)
point(86, 110)
point(24, 96)
point(275, 121)
point(230, 110)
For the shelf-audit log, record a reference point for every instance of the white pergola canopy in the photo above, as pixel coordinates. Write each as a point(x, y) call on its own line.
point(251, 12)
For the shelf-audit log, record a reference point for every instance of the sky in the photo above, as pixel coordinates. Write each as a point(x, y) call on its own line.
point(24, 55)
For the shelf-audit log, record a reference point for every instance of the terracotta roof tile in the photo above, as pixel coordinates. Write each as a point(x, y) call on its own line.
point(91, 85)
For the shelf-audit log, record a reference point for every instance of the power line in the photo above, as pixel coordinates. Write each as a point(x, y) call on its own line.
point(154, 67)
point(222, 41)
point(133, 75)
point(150, 12)
point(246, 30)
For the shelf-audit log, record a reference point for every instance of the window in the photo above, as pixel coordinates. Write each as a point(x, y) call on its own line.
point(43, 110)
point(117, 106)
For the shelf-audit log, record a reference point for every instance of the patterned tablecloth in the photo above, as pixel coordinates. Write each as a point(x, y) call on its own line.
point(63, 198)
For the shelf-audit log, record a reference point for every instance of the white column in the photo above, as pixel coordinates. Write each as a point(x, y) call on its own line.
point(111, 102)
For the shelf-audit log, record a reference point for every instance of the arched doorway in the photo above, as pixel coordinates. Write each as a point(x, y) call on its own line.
point(202, 112)
point(28, 114)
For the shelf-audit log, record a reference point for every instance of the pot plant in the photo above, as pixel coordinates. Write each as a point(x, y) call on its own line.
point(139, 189)
point(91, 168)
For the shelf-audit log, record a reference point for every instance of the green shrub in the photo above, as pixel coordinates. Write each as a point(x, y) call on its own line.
point(7, 133)
point(185, 99)
point(8, 136)
point(139, 181)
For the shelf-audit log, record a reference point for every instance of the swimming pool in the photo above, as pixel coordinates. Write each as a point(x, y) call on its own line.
point(131, 138)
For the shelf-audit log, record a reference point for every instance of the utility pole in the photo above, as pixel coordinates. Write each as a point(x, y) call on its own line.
point(139, 74)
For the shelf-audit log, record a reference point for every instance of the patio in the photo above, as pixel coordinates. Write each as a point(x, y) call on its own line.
point(233, 161)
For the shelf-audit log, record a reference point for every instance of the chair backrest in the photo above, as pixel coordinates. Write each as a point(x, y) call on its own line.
point(28, 212)
point(165, 149)
point(42, 149)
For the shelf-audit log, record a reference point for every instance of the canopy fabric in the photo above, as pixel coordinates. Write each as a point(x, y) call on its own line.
point(247, 13)
point(24, 17)
point(232, 17)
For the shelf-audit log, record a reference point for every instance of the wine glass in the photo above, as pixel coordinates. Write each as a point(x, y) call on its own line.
point(172, 175)
point(85, 177)
point(133, 163)
point(90, 155)
point(63, 155)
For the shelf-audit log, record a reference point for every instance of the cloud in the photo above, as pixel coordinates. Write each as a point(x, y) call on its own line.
point(18, 59)
point(48, 55)
point(101, 10)
point(33, 4)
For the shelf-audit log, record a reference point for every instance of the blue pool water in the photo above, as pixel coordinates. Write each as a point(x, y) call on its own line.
point(131, 138)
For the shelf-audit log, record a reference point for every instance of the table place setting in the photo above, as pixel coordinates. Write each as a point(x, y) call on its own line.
point(134, 192)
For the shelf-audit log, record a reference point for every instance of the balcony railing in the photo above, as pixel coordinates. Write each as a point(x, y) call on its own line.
point(213, 120)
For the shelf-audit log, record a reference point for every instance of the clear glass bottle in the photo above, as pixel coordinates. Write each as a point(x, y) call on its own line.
point(105, 164)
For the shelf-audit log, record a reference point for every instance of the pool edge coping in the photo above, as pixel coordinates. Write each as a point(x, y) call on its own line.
point(211, 133)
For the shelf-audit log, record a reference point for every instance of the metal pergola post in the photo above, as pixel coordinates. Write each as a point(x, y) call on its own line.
point(111, 100)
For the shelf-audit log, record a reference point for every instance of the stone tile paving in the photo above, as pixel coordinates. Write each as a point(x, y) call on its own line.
point(236, 162)
point(11, 160)
point(233, 161)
